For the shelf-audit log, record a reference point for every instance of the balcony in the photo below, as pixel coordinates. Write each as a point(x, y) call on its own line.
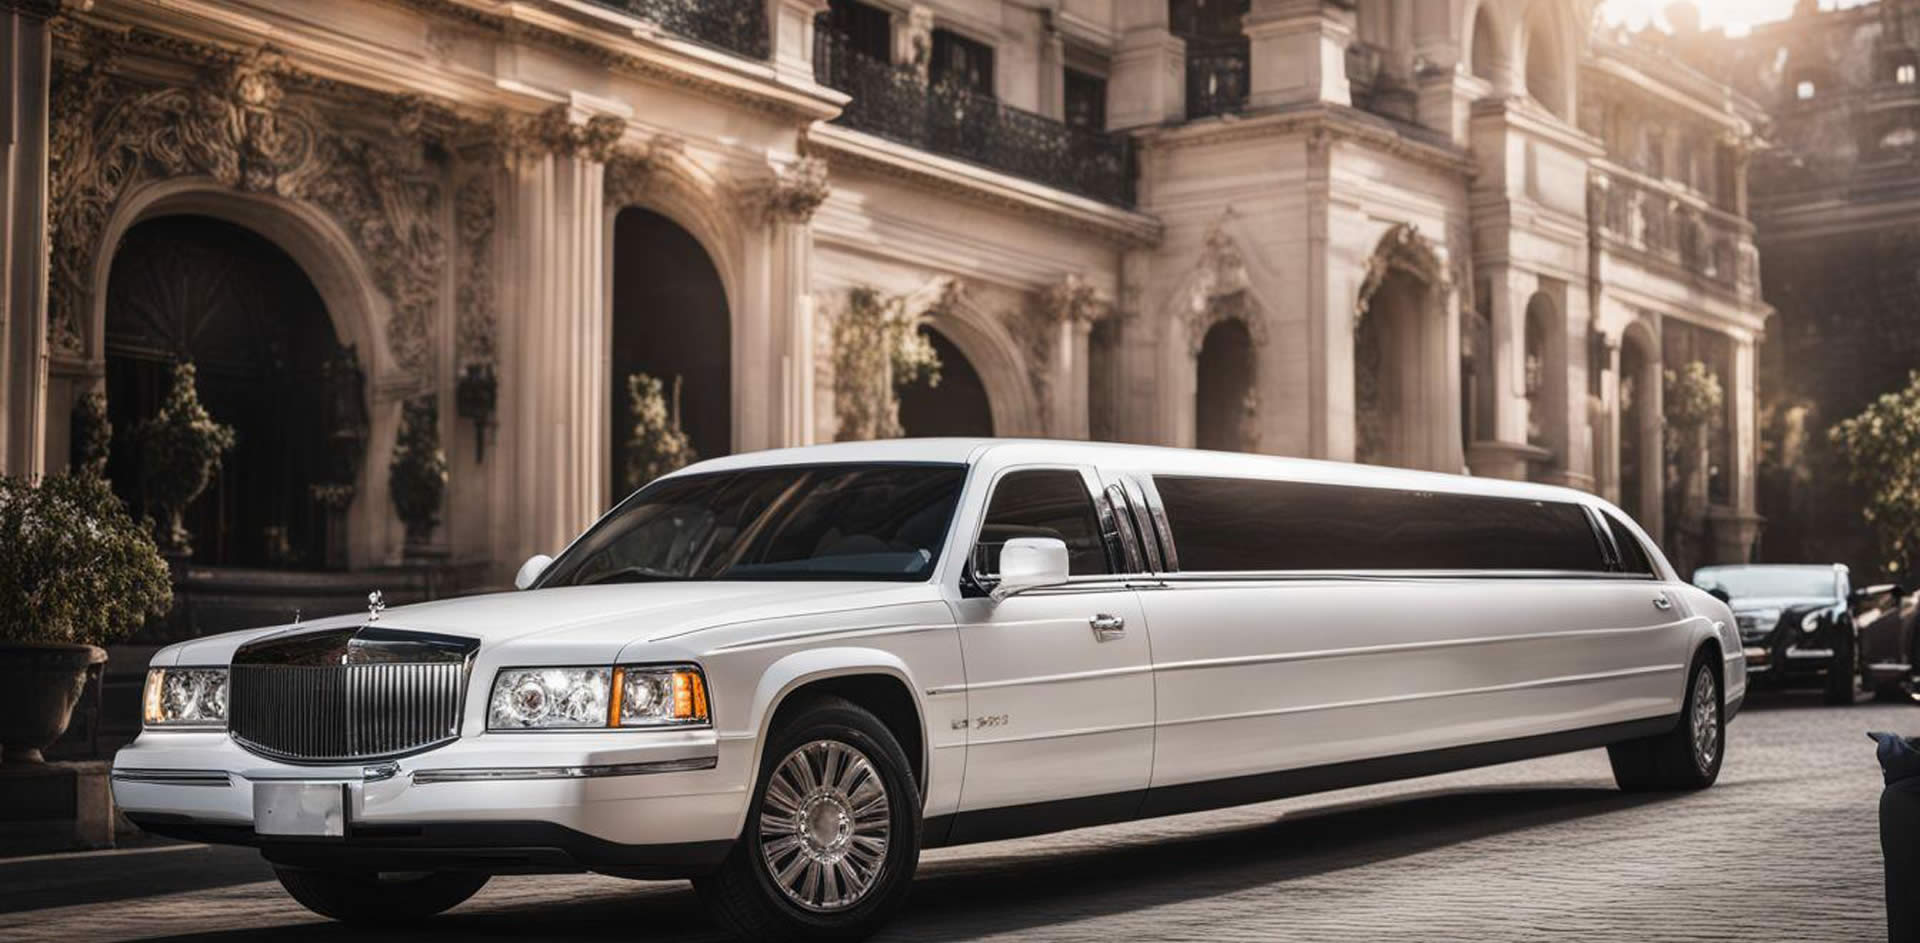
point(1674, 228)
point(895, 102)
point(736, 26)
point(1219, 73)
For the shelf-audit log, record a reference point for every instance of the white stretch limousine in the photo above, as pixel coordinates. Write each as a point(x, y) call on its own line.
point(784, 674)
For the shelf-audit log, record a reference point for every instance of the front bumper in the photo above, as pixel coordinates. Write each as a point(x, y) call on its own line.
point(644, 804)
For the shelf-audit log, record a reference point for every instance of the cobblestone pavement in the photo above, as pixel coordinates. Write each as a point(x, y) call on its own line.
point(1784, 848)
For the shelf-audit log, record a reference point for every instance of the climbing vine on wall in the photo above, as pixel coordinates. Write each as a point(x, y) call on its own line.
point(657, 445)
point(877, 349)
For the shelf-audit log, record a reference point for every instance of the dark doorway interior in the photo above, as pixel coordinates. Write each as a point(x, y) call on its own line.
point(229, 301)
point(1224, 415)
point(957, 407)
point(670, 319)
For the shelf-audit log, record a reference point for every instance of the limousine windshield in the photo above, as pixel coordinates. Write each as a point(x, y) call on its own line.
point(818, 522)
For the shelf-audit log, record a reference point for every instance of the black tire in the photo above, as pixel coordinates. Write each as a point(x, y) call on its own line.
point(366, 897)
point(746, 897)
point(1678, 760)
point(1843, 675)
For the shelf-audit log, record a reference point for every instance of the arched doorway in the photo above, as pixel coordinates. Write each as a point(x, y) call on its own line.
point(1223, 399)
point(670, 321)
point(1387, 393)
point(269, 363)
point(957, 407)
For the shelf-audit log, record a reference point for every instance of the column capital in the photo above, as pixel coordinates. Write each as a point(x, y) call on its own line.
point(789, 194)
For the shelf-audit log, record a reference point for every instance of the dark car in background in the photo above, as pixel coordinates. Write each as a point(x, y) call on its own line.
point(1803, 623)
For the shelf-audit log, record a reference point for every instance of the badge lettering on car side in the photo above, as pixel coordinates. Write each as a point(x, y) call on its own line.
point(989, 720)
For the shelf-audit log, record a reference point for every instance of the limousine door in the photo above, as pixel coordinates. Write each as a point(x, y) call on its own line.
point(1059, 681)
point(1277, 648)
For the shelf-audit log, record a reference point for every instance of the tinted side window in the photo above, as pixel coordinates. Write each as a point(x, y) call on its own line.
point(1225, 524)
point(1042, 503)
point(1633, 557)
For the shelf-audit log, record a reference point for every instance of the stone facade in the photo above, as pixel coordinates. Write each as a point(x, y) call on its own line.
point(1837, 203)
point(1464, 235)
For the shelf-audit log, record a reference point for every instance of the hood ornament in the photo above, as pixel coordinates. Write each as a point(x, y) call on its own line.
point(375, 604)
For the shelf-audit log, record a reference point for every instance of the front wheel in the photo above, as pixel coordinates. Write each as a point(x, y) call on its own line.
point(1687, 757)
point(833, 835)
point(366, 897)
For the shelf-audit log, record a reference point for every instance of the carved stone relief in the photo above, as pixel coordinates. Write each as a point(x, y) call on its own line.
point(476, 329)
point(1402, 249)
point(633, 173)
point(790, 194)
point(1217, 289)
point(238, 126)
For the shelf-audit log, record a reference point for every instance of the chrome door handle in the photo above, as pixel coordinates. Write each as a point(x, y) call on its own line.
point(1662, 603)
point(1106, 627)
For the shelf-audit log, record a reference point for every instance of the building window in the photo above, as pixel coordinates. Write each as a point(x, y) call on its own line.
point(1086, 100)
point(865, 29)
point(962, 61)
point(1904, 73)
point(1804, 90)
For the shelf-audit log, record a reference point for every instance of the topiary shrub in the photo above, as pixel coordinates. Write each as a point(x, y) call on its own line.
point(180, 449)
point(657, 444)
point(75, 567)
point(418, 474)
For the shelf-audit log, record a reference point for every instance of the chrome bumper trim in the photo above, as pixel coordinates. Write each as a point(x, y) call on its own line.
point(1810, 654)
point(498, 774)
point(175, 777)
point(1890, 667)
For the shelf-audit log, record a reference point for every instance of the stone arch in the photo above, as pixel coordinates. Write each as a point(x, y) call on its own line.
point(1405, 375)
point(660, 176)
point(958, 406)
point(1548, 56)
point(312, 237)
point(1489, 56)
point(332, 262)
point(950, 308)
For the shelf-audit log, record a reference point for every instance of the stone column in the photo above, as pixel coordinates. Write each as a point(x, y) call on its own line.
point(27, 53)
point(555, 391)
point(1068, 312)
point(1147, 83)
point(1573, 464)
point(1607, 464)
point(790, 24)
point(1053, 79)
point(774, 363)
point(1299, 52)
point(1507, 454)
point(1737, 527)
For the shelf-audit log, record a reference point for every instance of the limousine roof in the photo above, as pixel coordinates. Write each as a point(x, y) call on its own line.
point(1143, 458)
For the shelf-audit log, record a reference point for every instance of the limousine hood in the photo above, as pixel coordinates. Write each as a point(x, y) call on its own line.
point(587, 617)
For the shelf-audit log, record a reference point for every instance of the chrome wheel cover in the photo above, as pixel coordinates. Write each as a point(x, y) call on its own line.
point(825, 821)
point(1704, 718)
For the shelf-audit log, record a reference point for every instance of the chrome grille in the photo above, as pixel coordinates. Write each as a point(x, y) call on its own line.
point(344, 712)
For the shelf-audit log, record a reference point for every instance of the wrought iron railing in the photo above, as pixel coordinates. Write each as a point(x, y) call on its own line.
point(737, 26)
point(1219, 71)
point(896, 102)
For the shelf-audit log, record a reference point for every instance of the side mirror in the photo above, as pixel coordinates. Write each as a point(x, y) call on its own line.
point(531, 570)
point(1895, 590)
point(1720, 593)
point(1031, 563)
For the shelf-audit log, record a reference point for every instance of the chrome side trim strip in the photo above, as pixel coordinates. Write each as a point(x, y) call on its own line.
point(1402, 647)
point(500, 774)
point(1063, 734)
point(175, 777)
point(1091, 675)
point(1434, 695)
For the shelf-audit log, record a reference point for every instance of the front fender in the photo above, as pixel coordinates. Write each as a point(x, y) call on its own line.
point(799, 669)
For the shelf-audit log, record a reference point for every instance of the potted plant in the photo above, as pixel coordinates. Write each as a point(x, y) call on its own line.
point(181, 448)
point(76, 572)
point(418, 473)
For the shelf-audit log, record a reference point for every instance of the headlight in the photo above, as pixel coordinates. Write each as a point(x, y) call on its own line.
point(549, 697)
point(597, 698)
point(185, 697)
point(660, 697)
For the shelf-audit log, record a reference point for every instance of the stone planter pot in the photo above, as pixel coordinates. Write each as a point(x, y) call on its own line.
point(39, 684)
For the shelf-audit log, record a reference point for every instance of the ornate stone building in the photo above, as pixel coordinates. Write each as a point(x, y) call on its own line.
point(1837, 200)
point(1464, 235)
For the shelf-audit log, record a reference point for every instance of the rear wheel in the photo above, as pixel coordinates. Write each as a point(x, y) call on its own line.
point(833, 835)
point(368, 897)
point(1686, 757)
